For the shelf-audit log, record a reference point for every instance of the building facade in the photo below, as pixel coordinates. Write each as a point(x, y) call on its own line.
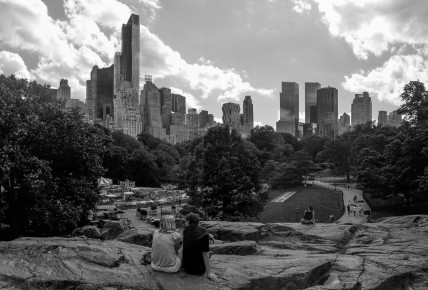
point(166, 107)
point(130, 55)
point(150, 111)
point(382, 118)
point(247, 116)
point(127, 113)
point(192, 121)
point(327, 112)
point(344, 124)
point(178, 103)
point(289, 108)
point(63, 92)
point(311, 101)
point(231, 116)
point(361, 109)
point(395, 119)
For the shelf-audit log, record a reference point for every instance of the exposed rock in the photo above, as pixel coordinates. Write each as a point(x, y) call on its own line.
point(137, 236)
point(91, 232)
point(112, 229)
point(231, 232)
point(390, 254)
point(241, 248)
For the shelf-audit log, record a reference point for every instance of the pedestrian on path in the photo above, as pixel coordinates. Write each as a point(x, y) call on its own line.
point(349, 208)
point(355, 198)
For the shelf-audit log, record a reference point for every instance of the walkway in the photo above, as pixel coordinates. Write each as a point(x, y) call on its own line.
point(357, 209)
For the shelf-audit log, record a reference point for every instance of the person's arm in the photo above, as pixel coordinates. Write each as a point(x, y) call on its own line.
point(177, 241)
point(210, 275)
point(313, 217)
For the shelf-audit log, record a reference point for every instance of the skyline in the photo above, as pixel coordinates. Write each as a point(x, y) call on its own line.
point(255, 47)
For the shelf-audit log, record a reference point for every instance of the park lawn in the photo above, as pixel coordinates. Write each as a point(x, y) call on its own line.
point(325, 202)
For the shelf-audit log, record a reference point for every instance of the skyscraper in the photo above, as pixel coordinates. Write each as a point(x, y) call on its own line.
point(327, 101)
point(395, 119)
point(127, 112)
point(382, 119)
point(178, 104)
point(99, 94)
point(289, 108)
point(247, 117)
point(231, 115)
point(166, 107)
point(63, 91)
point(192, 120)
point(130, 56)
point(203, 118)
point(150, 110)
point(311, 101)
point(344, 124)
point(361, 109)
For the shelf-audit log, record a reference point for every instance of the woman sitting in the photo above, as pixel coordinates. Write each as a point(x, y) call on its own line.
point(309, 216)
point(165, 246)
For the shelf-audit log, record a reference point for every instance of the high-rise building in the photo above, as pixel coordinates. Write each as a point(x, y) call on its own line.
point(344, 124)
point(99, 94)
point(289, 108)
point(361, 109)
point(127, 113)
point(203, 118)
point(327, 103)
point(395, 119)
point(382, 118)
point(150, 110)
point(211, 121)
point(309, 129)
point(130, 56)
point(63, 91)
point(247, 116)
point(192, 121)
point(166, 107)
point(311, 101)
point(178, 103)
point(231, 115)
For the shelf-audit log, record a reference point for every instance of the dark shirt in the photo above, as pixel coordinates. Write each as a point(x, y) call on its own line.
point(308, 215)
point(195, 242)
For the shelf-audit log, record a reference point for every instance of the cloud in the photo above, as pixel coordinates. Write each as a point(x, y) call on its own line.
point(257, 123)
point(163, 62)
point(373, 26)
point(387, 82)
point(301, 6)
point(12, 63)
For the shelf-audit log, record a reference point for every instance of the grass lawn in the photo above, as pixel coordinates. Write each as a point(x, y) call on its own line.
point(324, 201)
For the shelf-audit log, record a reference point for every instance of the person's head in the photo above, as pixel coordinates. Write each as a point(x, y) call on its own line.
point(192, 219)
point(167, 223)
point(310, 207)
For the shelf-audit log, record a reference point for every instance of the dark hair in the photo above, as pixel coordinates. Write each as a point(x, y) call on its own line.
point(192, 218)
point(310, 207)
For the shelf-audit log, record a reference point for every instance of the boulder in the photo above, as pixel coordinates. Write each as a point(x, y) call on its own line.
point(240, 248)
point(112, 229)
point(88, 231)
point(137, 236)
point(232, 232)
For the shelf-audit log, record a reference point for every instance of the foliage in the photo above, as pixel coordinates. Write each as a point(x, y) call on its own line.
point(223, 176)
point(338, 152)
point(313, 145)
point(50, 159)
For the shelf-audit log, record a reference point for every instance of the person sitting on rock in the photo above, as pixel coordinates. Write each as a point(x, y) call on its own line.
point(196, 260)
point(165, 246)
point(309, 216)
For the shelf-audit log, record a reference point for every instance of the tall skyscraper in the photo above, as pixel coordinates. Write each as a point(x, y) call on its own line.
point(327, 101)
point(382, 118)
point(192, 120)
point(395, 119)
point(150, 110)
point(99, 94)
point(203, 118)
point(166, 107)
point(178, 103)
point(63, 91)
point(247, 116)
point(361, 109)
point(289, 108)
point(127, 112)
point(231, 115)
point(344, 124)
point(130, 56)
point(311, 101)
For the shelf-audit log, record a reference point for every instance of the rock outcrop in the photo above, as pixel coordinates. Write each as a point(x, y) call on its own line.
point(137, 236)
point(390, 254)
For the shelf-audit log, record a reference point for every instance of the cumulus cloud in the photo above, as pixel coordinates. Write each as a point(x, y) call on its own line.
point(257, 123)
point(301, 6)
point(387, 82)
point(373, 26)
point(12, 63)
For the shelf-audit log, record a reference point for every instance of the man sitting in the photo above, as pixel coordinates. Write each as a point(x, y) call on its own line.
point(196, 259)
point(309, 216)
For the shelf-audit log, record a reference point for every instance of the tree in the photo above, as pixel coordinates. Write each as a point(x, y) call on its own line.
point(313, 144)
point(224, 177)
point(415, 105)
point(338, 152)
point(50, 159)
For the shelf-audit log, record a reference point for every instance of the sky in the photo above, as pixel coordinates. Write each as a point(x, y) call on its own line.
point(217, 51)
